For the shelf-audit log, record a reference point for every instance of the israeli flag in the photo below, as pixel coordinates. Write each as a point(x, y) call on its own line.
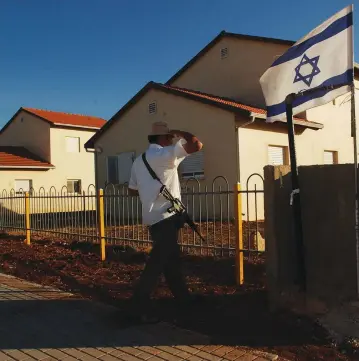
point(323, 57)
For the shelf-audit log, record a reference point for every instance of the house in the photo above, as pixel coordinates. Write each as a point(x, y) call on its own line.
point(40, 149)
point(217, 96)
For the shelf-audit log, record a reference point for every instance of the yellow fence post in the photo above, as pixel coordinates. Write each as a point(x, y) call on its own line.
point(239, 234)
point(101, 224)
point(27, 218)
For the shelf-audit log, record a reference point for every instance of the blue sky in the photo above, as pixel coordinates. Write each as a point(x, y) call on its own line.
point(92, 56)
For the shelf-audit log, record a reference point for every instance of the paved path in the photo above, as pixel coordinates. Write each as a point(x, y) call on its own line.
point(41, 323)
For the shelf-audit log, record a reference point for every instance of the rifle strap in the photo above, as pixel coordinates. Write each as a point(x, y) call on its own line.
point(150, 170)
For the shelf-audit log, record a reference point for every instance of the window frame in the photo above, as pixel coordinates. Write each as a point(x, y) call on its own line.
point(285, 150)
point(107, 169)
point(66, 144)
point(74, 180)
point(198, 174)
point(17, 192)
point(335, 156)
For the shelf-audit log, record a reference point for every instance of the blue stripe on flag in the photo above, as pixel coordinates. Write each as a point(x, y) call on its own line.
point(336, 27)
point(345, 78)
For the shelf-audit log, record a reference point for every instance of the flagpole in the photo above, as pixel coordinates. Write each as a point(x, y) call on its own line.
point(295, 195)
point(355, 148)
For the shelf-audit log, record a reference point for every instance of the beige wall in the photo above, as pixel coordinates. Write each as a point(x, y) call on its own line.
point(71, 165)
point(42, 182)
point(67, 165)
point(30, 132)
point(40, 178)
point(253, 156)
point(335, 136)
point(310, 144)
point(130, 133)
point(236, 76)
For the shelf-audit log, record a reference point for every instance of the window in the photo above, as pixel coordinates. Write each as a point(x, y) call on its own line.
point(125, 161)
point(224, 53)
point(119, 168)
point(74, 186)
point(152, 108)
point(112, 170)
point(278, 155)
point(330, 157)
point(72, 144)
point(193, 166)
point(22, 185)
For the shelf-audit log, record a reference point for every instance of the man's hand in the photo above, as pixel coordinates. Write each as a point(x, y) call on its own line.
point(193, 144)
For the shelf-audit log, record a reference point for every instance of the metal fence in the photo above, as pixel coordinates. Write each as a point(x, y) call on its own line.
point(114, 217)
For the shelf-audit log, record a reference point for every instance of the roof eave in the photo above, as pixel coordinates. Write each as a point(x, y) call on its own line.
point(59, 125)
point(303, 123)
point(223, 106)
point(25, 167)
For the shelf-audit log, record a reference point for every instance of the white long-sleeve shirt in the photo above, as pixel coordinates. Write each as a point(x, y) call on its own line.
point(164, 161)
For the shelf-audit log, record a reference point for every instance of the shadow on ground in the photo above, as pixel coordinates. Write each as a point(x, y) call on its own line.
point(229, 315)
point(73, 323)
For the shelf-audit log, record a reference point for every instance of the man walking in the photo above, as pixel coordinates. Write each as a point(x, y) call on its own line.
point(163, 157)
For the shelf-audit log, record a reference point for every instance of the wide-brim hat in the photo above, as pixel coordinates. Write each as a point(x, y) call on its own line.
point(160, 128)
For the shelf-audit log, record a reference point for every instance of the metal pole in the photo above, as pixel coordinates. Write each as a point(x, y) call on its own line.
point(355, 148)
point(295, 196)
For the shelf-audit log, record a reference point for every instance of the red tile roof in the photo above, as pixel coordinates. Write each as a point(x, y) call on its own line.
point(20, 157)
point(67, 118)
point(223, 103)
point(226, 101)
point(218, 99)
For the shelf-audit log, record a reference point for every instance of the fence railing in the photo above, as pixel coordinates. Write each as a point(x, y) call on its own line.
point(229, 218)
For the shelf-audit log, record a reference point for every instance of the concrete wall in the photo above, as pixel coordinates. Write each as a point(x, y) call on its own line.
point(236, 76)
point(328, 214)
point(30, 132)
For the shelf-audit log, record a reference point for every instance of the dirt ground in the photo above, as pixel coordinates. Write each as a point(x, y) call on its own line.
point(231, 315)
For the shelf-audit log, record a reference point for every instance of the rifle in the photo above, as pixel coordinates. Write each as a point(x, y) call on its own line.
point(176, 204)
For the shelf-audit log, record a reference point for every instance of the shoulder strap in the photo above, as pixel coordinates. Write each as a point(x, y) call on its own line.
point(151, 171)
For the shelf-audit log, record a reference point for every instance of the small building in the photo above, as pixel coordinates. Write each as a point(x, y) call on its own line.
point(41, 149)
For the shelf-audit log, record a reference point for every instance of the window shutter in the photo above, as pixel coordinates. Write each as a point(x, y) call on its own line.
point(152, 108)
point(125, 161)
point(74, 186)
point(224, 53)
point(276, 155)
point(72, 144)
point(193, 165)
point(22, 185)
point(112, 170)
point(328, 157)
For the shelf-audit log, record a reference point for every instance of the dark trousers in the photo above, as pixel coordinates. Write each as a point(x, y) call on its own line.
point(164, 258)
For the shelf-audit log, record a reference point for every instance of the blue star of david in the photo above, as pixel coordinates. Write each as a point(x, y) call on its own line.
point(308, 78)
